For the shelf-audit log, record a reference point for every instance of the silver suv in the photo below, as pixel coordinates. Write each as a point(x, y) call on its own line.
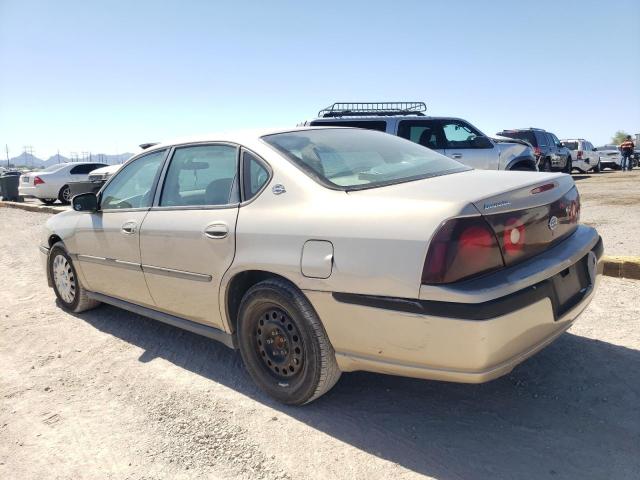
point(453, 137)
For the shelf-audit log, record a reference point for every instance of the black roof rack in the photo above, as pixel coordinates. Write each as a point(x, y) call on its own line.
point(342, 109)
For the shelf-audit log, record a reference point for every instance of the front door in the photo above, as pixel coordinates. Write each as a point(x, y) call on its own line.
point(187, 240)
point(107, 242)
point(469, 146)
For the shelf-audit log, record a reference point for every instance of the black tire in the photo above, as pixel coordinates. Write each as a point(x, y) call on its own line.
point(568, 166)
point(597, 169)
point(80, 301)
point(65, 195)
point(48, 201)
point(546, 165)
point(299, 363)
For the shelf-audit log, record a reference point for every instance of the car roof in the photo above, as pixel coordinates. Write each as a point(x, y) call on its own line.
point(242, 137)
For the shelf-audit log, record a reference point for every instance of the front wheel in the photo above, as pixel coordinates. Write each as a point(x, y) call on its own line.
point(71, 294)
point(284, 345)
point(596, 169)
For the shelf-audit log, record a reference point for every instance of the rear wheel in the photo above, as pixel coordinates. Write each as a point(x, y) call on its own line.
point(568, 166)
point(546, 165)
point(65, 195)
point(284, 345)
point(71, 294)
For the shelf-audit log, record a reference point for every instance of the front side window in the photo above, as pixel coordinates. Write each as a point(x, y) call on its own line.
point(132, 187)
point(461, 135)
point(356, 159)
point(255, 175)
point(201, 175)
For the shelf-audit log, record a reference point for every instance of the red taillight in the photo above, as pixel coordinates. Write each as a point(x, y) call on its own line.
point(537, 152)
point(37, 181)
point(462, 248)
point(579, 155)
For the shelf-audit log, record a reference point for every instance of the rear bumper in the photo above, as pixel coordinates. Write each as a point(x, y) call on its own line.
point(451, 343)
point(38, 191)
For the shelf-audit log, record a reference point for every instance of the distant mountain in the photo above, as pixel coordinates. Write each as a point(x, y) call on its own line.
point(31, 161)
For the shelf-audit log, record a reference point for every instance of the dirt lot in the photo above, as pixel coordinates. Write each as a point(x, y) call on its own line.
point(109, 394)
point(611, 203)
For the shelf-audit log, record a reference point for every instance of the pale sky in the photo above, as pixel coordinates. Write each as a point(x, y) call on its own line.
point(106, 76)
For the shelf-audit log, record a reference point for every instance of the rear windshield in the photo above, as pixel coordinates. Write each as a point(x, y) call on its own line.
point(353, 159)
point(571, 145)
point(526, 136)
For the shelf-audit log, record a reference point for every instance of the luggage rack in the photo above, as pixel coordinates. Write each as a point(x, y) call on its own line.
point(341, 109)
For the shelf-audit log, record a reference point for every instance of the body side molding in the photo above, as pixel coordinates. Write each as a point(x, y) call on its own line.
point(198, 328)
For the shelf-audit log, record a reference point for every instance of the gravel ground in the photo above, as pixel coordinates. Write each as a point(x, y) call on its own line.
point(109, 394)
point(611, 203)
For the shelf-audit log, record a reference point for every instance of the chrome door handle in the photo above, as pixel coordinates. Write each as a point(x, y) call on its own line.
point(129, 228)
point(216, 231)
point(456, 155)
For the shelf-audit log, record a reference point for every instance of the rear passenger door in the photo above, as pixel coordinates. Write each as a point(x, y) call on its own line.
point(187, 240)
point(427, 133)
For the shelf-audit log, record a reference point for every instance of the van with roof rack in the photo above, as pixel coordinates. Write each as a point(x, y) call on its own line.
point(454, 137)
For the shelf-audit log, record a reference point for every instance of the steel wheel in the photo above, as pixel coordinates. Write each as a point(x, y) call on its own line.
point(64, 278)
point(279, 344)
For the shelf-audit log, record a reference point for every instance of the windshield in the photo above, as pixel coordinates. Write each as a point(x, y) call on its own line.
point(608, 147)
point(351, 159)
point(571, 145)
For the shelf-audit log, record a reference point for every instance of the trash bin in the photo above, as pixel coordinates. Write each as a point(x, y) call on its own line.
point(9, 186)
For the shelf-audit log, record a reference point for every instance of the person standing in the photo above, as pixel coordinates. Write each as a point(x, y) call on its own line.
point(626, 148)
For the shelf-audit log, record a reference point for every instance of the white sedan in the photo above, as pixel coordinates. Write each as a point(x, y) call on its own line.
point(52, 183)
point(317, 251)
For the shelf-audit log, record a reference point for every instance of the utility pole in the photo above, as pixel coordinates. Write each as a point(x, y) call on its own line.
point(58, 155)
point(28, 151)
point(6, 149)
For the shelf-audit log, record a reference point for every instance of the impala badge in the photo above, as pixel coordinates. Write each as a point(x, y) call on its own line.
point(492, 205)
point(553, 223)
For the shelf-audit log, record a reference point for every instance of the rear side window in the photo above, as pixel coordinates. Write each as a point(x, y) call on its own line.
point(543, 140)
point(379, 125)
point(201, 175)
point(85, 169)
point(254, 176)
point(427, 133)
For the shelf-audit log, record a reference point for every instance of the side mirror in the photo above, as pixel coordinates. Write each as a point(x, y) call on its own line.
point(85, 202)
point(595, 149)
point(481, 142)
